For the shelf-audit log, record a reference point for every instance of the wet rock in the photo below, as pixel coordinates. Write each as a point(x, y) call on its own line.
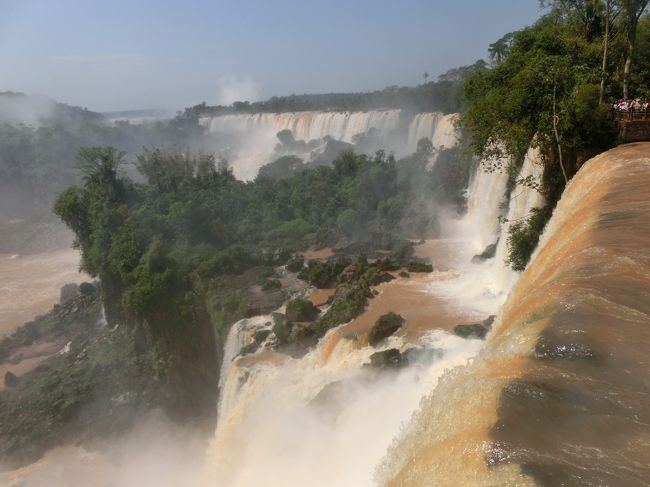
point(489, 321)
point(68, 293)
point(384, 327)
point(261, 335)
point(548, 350)
point(476, 330)
point(11, 380)
point(301, 310)
point(489, 252)
point(388, 359)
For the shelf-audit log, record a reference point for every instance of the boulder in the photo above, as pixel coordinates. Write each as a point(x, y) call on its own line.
point(388, 359)
point(475, 330)
point(489, 252)
point(68, 293)
point(384, 327)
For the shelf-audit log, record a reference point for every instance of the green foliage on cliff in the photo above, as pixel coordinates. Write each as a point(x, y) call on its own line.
point(551, 85)
point(524, 235)
point(193, 218)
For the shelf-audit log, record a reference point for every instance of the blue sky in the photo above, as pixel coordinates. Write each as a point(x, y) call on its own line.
point(129, 54)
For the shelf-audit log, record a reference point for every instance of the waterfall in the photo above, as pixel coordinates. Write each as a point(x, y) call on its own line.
point(523, 199)
point(250, 139)
point(486, 284)
point(239, 335)
point(323, 418)
point(558, 396)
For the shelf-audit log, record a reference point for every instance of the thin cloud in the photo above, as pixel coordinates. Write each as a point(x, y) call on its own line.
point(97, 58)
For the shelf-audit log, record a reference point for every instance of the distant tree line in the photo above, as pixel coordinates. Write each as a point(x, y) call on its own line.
point(444, 95)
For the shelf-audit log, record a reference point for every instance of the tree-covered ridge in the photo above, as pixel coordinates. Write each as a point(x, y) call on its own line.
point(444, 95)
point(551, 85)
point(192, 216)
point(170, 250)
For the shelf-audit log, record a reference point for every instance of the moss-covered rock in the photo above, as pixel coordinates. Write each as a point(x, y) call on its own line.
point(348, 302)
point(384, 327)
point(301, 310)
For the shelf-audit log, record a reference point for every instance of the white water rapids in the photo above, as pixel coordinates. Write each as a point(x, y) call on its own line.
point(274, 427)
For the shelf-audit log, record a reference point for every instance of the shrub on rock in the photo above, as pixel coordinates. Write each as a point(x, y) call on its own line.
point(301, 310)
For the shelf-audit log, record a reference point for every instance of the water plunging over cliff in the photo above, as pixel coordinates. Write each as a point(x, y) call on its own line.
point(559, 395)
point(252, 137)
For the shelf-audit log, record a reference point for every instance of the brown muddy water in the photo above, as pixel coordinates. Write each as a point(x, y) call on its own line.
point(31, 284)
point(560, 396)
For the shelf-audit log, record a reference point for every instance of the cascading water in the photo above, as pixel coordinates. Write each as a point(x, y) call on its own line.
point(487, 283)
point(253, 136)
point(558, 396)
point(315, 421)
point(325, 418)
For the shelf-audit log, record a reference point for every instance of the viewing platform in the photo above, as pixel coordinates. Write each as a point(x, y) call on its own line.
point(633, 126)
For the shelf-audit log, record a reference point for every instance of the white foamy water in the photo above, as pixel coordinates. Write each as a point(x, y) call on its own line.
point(254, 135)
point(485, 285)
point(273, 434)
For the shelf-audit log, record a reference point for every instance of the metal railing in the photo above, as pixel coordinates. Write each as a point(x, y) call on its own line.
point(623, 116)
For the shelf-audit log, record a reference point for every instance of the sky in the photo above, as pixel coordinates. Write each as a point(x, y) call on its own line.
point(132, 54)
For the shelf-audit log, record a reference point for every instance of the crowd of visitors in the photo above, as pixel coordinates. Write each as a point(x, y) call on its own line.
point(631, 106)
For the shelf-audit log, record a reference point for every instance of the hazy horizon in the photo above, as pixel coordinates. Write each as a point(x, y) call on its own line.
point(163, 55)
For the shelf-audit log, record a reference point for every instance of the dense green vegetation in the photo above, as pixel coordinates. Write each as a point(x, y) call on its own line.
point(551, 85)
point(444, 95)
point(169, 250)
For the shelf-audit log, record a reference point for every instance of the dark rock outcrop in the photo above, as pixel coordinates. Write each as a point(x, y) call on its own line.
point(388, 359)
point(384, 327)
point(475, 330)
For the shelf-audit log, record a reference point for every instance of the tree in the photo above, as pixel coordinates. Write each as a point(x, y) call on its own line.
point(426, 76)
point(99, 167)
point(499, 50)
point(632, 11)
